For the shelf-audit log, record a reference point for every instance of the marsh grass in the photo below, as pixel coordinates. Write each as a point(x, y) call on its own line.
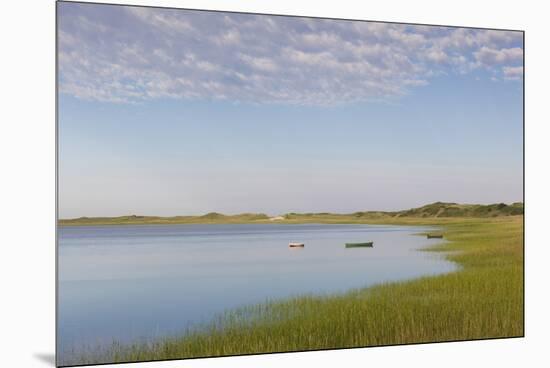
point(483, 299)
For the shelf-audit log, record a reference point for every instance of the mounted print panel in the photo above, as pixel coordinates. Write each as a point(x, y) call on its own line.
point(234, 183)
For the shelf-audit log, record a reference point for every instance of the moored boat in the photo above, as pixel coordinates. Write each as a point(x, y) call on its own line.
point(360, 245)
point(435, 236)
point(296, 245)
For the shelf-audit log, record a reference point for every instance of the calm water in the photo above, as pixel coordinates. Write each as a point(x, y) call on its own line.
point(133, 283)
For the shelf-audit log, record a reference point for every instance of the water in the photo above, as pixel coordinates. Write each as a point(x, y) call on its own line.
point(137, 283)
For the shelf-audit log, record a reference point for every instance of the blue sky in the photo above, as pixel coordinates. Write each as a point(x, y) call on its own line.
point(165, 112)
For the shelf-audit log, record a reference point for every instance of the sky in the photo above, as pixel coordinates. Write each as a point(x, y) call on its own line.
point(180, 112)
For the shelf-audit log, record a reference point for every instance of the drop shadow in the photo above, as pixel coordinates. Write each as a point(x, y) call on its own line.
point(46, 358)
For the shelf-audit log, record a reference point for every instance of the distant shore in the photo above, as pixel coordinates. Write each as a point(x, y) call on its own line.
point(434, 210)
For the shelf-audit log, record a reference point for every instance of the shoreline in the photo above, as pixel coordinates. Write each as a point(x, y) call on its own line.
point(430, 211)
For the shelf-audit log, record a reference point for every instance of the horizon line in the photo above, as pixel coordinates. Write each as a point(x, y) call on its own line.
point(292, 212)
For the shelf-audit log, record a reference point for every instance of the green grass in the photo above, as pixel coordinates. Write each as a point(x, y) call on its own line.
point(484, 299)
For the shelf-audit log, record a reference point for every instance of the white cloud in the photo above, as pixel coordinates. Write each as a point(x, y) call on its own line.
point(512, 72)
point(436, 55)
point(168, 21)
point(130, 54)
point(229, 37)
point(259, 63)
point(490, 57)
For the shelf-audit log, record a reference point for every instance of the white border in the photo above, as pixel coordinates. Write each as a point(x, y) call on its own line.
point(27, 187)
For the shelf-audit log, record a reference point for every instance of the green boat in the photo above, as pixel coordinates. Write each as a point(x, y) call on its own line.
point(435, 236)
point(360, 245)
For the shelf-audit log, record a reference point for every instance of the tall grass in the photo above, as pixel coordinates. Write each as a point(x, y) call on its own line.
point(484, 299)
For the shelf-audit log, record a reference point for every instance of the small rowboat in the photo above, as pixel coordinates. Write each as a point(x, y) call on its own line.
point(360, 245)
point(435, 236)
point(296, 245)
